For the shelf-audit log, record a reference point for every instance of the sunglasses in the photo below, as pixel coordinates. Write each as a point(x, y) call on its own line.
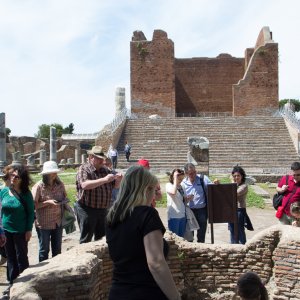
point(15, 176)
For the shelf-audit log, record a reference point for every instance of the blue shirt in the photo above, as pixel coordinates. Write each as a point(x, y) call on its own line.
point(196, 189)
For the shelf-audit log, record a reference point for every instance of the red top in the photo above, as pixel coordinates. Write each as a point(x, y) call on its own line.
point(292, 186)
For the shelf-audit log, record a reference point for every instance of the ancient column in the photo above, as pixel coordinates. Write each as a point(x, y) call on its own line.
point(42, 157)
point(16, 158)
point(77, 155)
point(70, 161)
point(53, 155)
point(120, 99)
point(83, 158)
point(2, 140)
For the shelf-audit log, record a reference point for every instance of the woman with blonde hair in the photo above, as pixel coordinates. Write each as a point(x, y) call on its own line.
point(134, 234)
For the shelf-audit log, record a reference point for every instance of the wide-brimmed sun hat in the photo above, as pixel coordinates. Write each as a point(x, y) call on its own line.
point(97, 151)
point(50, 167)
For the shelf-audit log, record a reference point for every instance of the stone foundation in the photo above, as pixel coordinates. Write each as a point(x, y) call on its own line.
point(201, 271)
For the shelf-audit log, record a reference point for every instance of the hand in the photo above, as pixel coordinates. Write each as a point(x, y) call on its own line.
point(190, 197)
point(110, 177)
point(294, 223)
point(28, 235)
point(216, 181)
point(52, 202)
point(2, 240)
point(284, 188)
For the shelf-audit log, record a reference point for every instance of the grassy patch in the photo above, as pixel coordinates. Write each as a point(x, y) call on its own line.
point(68, 177)
point(254, 200)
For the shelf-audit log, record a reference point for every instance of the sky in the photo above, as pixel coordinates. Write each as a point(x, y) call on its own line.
point(61, 60)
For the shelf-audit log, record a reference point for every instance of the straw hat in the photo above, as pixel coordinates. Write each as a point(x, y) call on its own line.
point(97, 151)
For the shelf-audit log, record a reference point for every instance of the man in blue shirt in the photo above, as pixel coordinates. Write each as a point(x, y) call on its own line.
point(196, 185)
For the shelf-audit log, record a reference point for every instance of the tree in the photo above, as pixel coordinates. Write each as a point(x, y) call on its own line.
point(7, 132)
point(44, 130)
point(69, 129)
point(296, 103)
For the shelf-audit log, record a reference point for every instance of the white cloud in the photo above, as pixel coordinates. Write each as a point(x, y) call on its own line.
point(61, 60)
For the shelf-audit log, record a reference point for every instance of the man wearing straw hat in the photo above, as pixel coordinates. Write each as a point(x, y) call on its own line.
point(94, 184)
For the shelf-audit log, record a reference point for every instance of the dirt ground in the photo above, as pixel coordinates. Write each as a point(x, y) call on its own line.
point(261, 219)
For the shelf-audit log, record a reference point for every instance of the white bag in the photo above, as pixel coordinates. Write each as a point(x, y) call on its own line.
point(191, 221)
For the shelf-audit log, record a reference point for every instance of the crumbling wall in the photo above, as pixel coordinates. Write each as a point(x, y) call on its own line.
point(200, 271)
point(257, 92)
point(164, 85)
point(152, 75)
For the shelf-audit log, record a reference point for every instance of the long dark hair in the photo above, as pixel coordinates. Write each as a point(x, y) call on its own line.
point(250, 286)
point(46, 179)
point(238, 169)
point(24, 176)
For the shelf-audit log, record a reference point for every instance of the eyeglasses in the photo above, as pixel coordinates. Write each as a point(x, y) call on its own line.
point(15, 176)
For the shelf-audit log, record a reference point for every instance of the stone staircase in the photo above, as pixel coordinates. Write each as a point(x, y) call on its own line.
point(259, 144)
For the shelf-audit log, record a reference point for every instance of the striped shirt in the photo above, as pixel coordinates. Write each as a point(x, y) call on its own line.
point(48, 216)
point(98, 197)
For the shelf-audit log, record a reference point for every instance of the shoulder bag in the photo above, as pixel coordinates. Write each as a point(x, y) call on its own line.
point(277, 198)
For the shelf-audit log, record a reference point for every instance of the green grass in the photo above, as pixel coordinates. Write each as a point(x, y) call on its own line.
point(68, 177)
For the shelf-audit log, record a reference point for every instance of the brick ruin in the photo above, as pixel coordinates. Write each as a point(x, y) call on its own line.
point(201, 271)
point(168, 86)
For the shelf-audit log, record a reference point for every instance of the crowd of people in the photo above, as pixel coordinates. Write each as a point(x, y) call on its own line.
point(122, 208)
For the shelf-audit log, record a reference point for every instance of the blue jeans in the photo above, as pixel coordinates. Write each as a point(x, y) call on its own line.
point(177, 225)
point(201, 216)
point(45, 237)
point(16, 249)
point(241, 228)
point(91, 222)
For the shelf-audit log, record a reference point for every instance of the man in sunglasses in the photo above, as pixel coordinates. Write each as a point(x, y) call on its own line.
point(290, 187)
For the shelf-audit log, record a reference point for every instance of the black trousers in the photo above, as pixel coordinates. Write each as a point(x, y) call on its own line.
point(16, 249)
point(91, 222)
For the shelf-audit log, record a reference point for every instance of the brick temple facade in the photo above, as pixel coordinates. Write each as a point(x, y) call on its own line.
point(168, 86)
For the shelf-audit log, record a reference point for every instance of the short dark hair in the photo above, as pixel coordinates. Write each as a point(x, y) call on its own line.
point(171, 175)
point(238, 169)
point(295, 166)
point(188, 166)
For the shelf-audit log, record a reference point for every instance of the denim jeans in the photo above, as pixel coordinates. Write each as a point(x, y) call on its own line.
point(91, 222)
point(201, 216)
point(241, 228)
point(47, 236)
point(16, 249)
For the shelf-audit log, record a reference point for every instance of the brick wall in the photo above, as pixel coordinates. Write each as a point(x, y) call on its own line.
point(164, 85)
point(205, 84)
point(152, 75)
point(257, 92)
point(200, 271)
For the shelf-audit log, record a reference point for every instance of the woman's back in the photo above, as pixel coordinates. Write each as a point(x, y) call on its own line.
point(131, 276)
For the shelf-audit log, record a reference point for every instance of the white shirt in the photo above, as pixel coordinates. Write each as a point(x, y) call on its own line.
point(113, 152)
point(175, 204)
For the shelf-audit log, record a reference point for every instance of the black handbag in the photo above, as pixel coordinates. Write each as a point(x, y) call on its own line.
point(277, 198)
